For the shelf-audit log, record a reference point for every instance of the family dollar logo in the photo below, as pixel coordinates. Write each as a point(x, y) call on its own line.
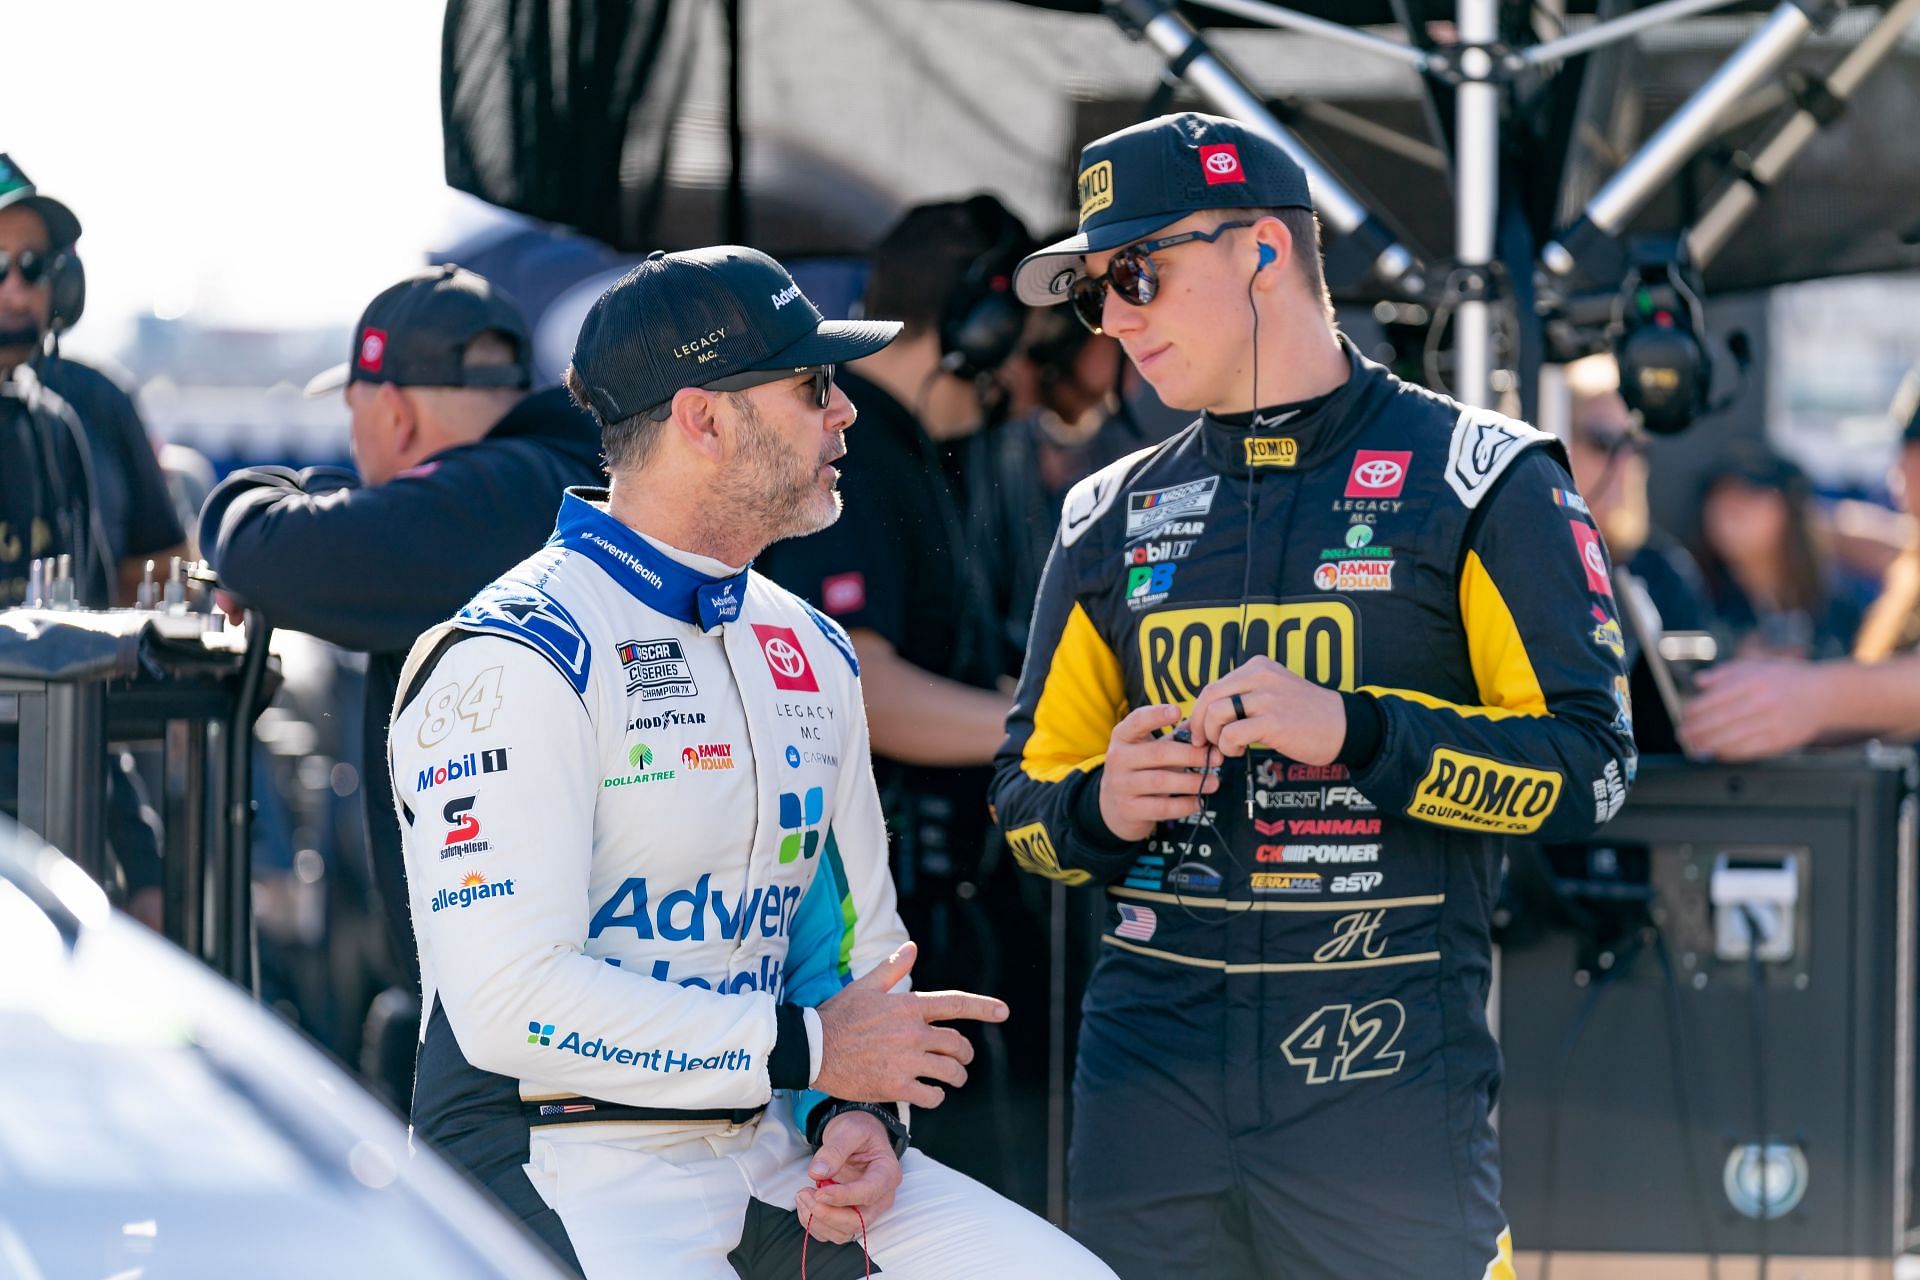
point(1184, 650)
point(799, 816)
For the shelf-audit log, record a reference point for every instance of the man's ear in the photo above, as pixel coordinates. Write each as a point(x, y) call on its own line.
point(1274, 250)
point(696, 420)
point(399, 418)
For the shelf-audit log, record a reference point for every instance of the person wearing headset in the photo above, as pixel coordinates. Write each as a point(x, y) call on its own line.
point(1294, 675)
point(901, 572)
point(136, 520)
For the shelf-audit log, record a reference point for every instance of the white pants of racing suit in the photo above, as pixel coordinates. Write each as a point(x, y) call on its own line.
point(672, 1200)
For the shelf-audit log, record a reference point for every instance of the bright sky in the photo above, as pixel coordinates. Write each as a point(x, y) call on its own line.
point(259, 163)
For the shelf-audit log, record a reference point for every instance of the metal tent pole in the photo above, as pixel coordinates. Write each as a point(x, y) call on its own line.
point(1676, 141)
point(1476, 196)
point(1820, 105)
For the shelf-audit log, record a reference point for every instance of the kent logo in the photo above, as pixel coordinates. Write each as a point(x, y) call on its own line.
point(800, 815)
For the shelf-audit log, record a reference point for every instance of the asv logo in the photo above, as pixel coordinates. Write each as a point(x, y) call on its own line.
point(1358, 882)
point(800, 816)
point(786, 660)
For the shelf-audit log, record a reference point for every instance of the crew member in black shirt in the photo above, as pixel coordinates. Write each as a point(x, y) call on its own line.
point(461, 472)
point(901, 570)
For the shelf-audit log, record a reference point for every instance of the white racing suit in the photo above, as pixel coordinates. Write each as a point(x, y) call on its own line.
point(642, 840)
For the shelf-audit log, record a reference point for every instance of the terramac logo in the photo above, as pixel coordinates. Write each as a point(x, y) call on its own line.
point(1183, 650)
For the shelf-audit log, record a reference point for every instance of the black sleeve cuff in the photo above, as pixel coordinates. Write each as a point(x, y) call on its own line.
point(887, 1116)
point(1088, 825)
point(1366, 725)
point(789, 1065)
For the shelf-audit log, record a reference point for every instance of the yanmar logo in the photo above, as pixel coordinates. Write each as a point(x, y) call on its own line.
point(1477, 794)
point(1184, 650)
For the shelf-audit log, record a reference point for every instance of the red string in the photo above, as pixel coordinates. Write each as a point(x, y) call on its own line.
point(808, 1235)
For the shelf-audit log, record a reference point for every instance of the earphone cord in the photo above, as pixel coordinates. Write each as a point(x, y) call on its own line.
point(1240, 656)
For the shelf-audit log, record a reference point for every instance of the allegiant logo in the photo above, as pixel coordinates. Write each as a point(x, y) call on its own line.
point(474, 888)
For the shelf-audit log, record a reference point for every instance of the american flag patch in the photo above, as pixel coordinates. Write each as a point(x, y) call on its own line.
point(1137, 923)
point(564, 1109)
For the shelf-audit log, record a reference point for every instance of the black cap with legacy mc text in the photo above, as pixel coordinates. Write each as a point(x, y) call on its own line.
point(1143, 178)
point(415, 334)
point(690, 319)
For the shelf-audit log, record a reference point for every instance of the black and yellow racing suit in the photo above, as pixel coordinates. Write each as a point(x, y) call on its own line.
point(1285, 1066)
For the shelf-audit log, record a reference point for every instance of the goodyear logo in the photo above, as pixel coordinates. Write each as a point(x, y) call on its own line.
point(1184, 650)
point(1096, 189)
point(1272, 451)
point(1033, 850)
point(1477, 794)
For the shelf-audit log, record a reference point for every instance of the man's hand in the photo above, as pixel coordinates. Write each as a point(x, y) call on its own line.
point(1750, 710)
point(1282, 712)
point(877, 1043)
point(856, 1153)
point(1145, 779)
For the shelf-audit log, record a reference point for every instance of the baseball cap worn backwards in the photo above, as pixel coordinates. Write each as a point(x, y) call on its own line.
point(415, 334)
point(1143, 178)
point(690, 319)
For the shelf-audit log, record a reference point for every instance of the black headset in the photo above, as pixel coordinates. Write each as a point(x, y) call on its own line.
point(981, 325)
point(68, 281)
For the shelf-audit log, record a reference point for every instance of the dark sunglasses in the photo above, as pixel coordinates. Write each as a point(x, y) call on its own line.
point(1132, 274)
point(822, 375)
point(30, 263)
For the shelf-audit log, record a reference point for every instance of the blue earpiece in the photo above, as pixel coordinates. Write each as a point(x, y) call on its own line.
point(1267, 256)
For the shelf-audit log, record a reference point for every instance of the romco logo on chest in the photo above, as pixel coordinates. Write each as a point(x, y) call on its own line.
point(1183, 650)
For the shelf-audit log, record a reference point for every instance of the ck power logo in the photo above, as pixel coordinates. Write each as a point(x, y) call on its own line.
point(799, 817)
point(1096, 189)
point(1184, 650)
point(1272, 451)
point(1474, 793)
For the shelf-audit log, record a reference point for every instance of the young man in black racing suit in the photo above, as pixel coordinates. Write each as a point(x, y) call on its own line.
point(1293, 676)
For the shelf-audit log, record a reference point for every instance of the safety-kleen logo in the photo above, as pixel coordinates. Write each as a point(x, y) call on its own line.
point(1184, 650)
point(1272, 451)
point(1096, 188)
point(1033, 850)
point(1478, 794)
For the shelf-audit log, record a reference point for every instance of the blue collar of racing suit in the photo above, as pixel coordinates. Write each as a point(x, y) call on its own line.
point(653, 578)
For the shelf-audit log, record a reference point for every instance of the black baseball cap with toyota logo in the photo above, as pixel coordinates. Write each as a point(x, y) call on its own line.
point(415, 334)
point(690, 319)
point(1143, 178)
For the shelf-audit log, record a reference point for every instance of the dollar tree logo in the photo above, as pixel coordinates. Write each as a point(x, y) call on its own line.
point(1359, 536)
point(538, 1034)
point(799, 816)
point(640, 756)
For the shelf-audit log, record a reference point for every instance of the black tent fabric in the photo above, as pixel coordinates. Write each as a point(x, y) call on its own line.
point(613, 117)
